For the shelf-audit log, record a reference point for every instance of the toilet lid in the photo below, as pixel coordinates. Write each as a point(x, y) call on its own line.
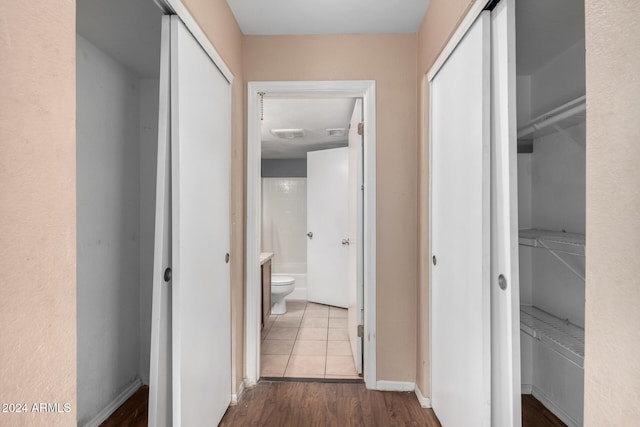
point(282, 280)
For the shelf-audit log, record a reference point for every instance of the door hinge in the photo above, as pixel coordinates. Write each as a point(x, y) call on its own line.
point(361, 128)
point(360, 331)
point(362, 187)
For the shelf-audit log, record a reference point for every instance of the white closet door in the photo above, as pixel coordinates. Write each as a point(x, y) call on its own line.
point(505, 300)
point(505, 303)
point(160, 409)
point(328, 225)
point(356, 236)
point(201, 157)
point(460, 227)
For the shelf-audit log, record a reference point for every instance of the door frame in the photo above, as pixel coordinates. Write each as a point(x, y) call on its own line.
point(364, 89)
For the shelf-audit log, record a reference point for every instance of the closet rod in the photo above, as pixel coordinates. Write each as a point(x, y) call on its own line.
point(554, 116)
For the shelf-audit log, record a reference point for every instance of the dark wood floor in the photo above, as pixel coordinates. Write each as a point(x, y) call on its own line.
point(282, 404)
point(534, 414)
point(133, 413)
point(317, 404)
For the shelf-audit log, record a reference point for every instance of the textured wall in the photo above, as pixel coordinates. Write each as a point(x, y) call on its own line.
point(612, 365)
point(38, 209)
point(441, 20)
point(390, 60)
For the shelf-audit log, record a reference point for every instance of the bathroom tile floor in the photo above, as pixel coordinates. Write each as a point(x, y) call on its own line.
point(309, 341)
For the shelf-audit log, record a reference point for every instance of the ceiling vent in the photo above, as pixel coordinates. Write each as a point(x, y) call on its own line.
point(336, 132)
point(288, 133)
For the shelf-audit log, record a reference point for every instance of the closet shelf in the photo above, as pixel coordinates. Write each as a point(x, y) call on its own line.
point(567, 115)
point(560, 335)
point(556, 241)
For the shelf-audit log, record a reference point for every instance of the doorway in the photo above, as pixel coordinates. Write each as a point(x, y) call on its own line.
point(363, 308)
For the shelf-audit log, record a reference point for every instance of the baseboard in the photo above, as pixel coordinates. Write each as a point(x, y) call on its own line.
point(235, 397)
point(106, 412)
point(425, 402)
point(525, 389)
point(564, 417)
point(395, 386)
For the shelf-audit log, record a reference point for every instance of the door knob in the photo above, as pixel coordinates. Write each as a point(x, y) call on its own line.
point(502, 282)
point(167, 274)
point(226, 258)
point(310, 234)
point(346, 242)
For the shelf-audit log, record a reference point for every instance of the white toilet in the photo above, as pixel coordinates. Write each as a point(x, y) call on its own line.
point(281, 286)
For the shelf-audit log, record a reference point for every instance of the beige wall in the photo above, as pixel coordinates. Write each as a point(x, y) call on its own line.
point(441, 20)
point(612, 363)
point(219, 24)
point(37, 209)
point(390, 60)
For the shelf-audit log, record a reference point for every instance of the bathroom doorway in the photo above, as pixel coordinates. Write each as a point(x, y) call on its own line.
point(308, 159)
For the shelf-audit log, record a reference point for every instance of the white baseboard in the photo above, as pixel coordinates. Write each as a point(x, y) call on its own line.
point(525, 389)
point(235, 397)
point(106, 412)
point(564, 417)
point(425, 402)
point(395, 386)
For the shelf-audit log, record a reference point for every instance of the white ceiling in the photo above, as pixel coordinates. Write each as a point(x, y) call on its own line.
point(287, 17)
point(544, 29)
point(315, 116)
point(127, 30)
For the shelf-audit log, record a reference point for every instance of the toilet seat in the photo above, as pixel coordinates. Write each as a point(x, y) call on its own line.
point(282, 280)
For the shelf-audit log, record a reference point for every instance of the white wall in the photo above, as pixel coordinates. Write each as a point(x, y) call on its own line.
point(284, 226)
point(108, 229)
point(559, 81)
point(148, 161)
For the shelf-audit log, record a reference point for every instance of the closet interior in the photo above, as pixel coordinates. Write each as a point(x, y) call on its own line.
point(550, 67)
point(117, 67)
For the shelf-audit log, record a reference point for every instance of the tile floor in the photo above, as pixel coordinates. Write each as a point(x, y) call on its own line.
point(309, 341)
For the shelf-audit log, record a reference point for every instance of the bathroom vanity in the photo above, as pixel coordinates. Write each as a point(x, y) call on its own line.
point(265, 269)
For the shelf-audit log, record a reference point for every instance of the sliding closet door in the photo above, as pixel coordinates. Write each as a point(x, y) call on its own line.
point(200, 172)
point(460, 232)
point(505, 287)
point(160, 408)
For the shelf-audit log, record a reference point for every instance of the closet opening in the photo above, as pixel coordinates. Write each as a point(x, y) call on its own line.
point(550, 63)
point(117, 70)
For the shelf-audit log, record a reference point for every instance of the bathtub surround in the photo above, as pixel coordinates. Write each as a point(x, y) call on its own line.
point(284, 168)
point(284, 229)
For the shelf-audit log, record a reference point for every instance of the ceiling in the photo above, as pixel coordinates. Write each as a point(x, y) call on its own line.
point(127, 30)
point(544, 29)
point(315, 116)
point(288, 17)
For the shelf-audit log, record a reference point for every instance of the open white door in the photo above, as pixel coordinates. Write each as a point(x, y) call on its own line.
point(200, 172)
point(460, 232)
point(356, 235)
point(505, 288)
point(160, 413)
point(328, 226)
